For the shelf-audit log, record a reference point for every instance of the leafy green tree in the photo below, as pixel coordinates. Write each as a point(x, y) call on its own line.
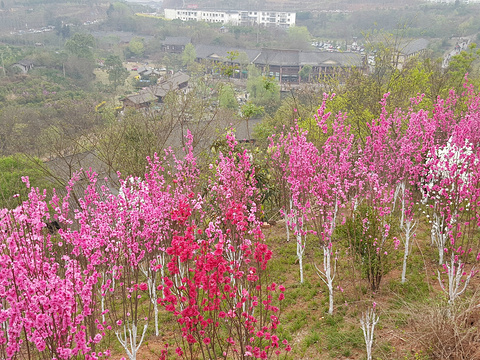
point(117, 74)
point(60, 59)
point(172, 61)
point(263, 91)
point(243, 61)
point(136, 47)
point(63, 30)
point(228, 68)
point(80, 63)
point(12, 168)
point(80, 70)
point(305, 72)
point(298, 106)
point(298, 37)
point(374, 264)
point(121, 17)
point(226, 97)
point(189, 55)
point(81, 46)
point(8, 56)
point(464, 63)
point(249, 111)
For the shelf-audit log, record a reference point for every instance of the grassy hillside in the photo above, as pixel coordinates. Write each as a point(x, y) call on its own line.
point(412, 321)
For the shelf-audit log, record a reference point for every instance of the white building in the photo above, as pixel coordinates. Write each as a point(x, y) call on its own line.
point(453, 1)
point(245, 18)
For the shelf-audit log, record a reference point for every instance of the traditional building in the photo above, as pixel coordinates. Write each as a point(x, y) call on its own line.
point(284, 65)
point(409, 49)
point(155, 94)
point(175, 44)
point(143, 99)
point(24, 65)
point(178, 81)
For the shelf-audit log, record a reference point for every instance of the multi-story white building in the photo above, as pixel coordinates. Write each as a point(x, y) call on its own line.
point(454, 1)
point(246, 18)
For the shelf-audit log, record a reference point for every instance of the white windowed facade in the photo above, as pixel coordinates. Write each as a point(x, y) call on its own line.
point(246, 18)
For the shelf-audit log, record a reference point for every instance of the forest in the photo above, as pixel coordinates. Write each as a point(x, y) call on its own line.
point(238, 217)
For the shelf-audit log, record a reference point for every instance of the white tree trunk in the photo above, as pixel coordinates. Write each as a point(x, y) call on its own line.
point(129, 342)
point(455, 275)
point(103, 294)
point(152, 289)
point(409, 229)
point(368, 322)
point(300, 251)
point(151, 276)
point(405, 256)
point(102, 301)
point(439, 235)
point(328, 274)
point(329, 271)
point(287, 227)
point(300, 245)
point(300, 263)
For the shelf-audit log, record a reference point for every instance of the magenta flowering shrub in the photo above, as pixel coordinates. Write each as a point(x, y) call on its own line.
point(223, 304)
point(47, 296)
point(158, 243)
point(231, 204)
point(451, 180)
point(406, 156)
point(298, 161)
point(319, 182)
point(224, 310)
point(171, 241)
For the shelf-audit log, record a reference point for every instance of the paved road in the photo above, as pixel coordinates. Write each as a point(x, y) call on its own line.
point(461, 45)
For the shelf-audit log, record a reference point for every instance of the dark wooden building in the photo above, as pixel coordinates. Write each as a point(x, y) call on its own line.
point(175, 44)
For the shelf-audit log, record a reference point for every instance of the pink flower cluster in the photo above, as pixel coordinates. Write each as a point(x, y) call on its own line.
point(200, 256)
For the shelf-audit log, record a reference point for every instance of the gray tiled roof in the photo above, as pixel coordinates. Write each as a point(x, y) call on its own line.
point(221, 52)
point(343, 59)
point(142, 97)
point(25, 62)
point(282, 57)
point(413, 47)
point(160, 90)
point(177, 40)
point(178, 78)
point(172, 83)
point(278, 57)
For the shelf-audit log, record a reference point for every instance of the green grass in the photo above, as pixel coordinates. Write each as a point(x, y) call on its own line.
point(342, 340)
point(297, 319)
point(312, 339)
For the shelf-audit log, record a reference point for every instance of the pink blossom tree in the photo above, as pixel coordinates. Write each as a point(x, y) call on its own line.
point(224, 307)
point(48, 296)
point(331, 186)
point(452, 188)
point(298, 159)
point(319, 180)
